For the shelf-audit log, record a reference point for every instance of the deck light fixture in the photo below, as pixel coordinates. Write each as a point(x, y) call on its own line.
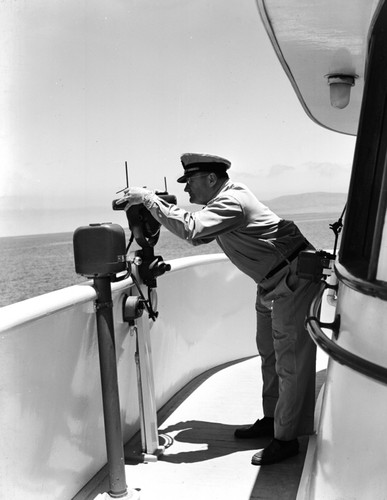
point(340, 89)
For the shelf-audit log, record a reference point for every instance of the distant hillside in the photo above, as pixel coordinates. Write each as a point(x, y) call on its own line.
point(308, 203)
point(305, 203)
point(22, 220)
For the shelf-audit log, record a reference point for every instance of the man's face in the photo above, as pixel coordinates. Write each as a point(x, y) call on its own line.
point(198, 188)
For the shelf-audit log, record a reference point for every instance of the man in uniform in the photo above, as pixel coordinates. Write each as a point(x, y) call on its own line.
point(265, 247)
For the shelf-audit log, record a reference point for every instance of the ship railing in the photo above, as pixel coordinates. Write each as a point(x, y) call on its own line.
point(52, 424)
point(331, 348)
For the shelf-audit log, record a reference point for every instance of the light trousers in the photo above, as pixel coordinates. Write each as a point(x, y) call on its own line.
point(288, 354)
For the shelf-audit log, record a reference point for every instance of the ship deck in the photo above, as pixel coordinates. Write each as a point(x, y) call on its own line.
point(202, 458)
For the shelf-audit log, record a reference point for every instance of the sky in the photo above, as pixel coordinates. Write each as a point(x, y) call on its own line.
point(87, 85)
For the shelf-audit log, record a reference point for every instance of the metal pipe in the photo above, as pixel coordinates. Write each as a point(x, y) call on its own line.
point(335, 351)
point(109, 382)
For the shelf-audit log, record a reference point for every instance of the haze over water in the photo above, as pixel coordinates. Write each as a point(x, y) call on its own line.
point(37, 264)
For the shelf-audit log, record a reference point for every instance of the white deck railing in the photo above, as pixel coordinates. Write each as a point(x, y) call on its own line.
point(51, 421)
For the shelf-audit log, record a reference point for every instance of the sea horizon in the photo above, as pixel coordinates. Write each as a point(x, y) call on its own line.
point(296, 217)
point(28, 222)
point(35, 264)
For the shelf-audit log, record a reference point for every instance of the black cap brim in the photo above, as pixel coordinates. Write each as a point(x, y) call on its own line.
point(183, 179)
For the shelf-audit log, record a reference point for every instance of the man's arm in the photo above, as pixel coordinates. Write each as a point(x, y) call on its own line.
point(221, 215)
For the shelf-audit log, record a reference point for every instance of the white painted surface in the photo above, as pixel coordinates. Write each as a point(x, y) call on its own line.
point(51, 422)
point(205, 461)
point(350, 450)
point(314, 39)
point(382, 262)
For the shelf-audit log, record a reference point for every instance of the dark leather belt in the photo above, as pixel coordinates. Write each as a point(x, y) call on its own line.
point(287, 261)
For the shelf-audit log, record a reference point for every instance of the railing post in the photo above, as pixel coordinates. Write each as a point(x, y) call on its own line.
point(109, 382)
point(100, 253)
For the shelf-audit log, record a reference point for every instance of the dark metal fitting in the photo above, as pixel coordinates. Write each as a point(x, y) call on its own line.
point(132, 308)
point(103, 305)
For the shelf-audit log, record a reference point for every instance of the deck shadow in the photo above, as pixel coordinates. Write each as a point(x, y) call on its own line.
point(212, 439)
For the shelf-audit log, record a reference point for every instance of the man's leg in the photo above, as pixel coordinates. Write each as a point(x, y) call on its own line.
point(296, 367)
point(266, 351)
point(296, 364)
point(264, 339)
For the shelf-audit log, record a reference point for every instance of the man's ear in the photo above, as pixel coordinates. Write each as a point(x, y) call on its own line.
point(212, 178)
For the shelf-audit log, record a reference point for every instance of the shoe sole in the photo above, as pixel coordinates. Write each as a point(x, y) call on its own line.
point(273, 461)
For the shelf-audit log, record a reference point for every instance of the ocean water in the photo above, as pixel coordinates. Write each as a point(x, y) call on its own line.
point(37, 264)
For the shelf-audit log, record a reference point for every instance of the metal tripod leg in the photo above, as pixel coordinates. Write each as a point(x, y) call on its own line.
point(146, 392)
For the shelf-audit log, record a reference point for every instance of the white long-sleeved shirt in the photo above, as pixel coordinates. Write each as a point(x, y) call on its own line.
point(250, 234)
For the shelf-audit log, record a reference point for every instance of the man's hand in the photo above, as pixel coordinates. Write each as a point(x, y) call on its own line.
point(133, 196)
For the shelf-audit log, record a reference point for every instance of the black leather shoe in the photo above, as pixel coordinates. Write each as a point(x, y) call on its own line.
point(261, 428)
point(275, 452)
